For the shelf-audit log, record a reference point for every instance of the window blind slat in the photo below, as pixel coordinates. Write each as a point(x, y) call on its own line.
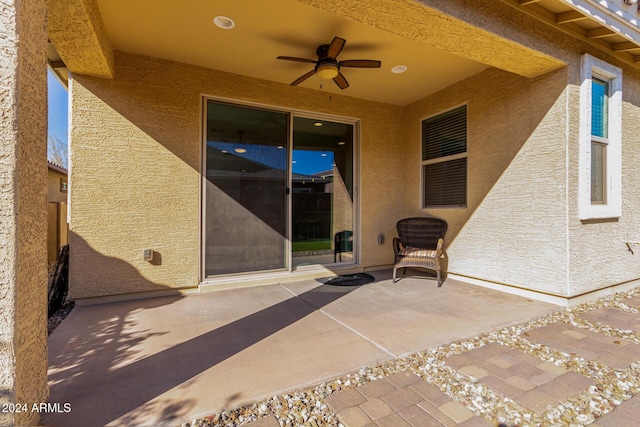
point(445, 182)
point(445, 135)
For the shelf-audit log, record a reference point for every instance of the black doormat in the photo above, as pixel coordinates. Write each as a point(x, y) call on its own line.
point(357, 279)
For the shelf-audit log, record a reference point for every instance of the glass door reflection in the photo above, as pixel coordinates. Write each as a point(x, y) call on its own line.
point(322, 192)
point(245, 196)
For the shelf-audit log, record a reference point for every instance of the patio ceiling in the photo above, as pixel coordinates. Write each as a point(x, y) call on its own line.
point(437, 49)
point(266, 29)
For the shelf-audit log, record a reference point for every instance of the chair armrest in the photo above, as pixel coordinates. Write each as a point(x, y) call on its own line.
point(396, 249)
point(439, 248)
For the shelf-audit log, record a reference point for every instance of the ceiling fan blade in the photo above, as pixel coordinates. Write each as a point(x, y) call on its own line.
point(303, 78)
point(360, 63)
point(341, 81)
point(293, 58)
point(335, 47)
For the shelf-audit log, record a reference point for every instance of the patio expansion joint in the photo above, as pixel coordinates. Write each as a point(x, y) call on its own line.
point(344, 325)
point(573, 399)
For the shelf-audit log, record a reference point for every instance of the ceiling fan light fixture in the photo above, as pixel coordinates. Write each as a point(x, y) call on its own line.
point(327, 71)
point(224, 22)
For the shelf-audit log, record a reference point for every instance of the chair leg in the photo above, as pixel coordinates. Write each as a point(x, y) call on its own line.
point(439, 278)
point(394, 275)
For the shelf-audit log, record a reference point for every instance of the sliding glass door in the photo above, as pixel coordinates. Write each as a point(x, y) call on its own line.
point(322, 192)
point(279, 190)
point(245, 217)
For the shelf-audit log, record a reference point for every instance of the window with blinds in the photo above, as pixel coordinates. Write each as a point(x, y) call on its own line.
point(444, 159)
point(599, 139)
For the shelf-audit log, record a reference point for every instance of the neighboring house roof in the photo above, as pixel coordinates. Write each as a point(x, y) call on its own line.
point(57, 167)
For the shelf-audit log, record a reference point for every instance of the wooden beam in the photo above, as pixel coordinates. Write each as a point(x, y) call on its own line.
point(545, 15)
point(528, 2)
point(624, 46)
point(57, 64)
point(598, 33)
point(571, 16)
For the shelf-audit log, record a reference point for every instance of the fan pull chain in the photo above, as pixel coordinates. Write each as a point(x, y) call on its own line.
point(330, 92)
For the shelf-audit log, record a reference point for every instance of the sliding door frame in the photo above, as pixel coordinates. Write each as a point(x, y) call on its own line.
point(292, 113)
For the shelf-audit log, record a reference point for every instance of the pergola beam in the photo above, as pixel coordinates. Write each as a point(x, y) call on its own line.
point(570, 16)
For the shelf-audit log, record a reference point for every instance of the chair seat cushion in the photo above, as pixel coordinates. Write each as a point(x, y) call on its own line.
point(410, 251)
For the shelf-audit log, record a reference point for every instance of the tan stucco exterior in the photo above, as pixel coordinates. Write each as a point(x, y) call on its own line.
point(54, 189)
point(520, 228)
point(23, 198)
point(76, 29)
point(599, 255)
point(516, 137)
point(57, 228)
point(485, 34)
point(147, 123)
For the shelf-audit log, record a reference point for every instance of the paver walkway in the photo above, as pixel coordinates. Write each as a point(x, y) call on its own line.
point(572, 368)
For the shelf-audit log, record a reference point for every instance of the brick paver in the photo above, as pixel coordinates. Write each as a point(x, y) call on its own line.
point(402, 399)
point(270, 421)
point(534, 383)
point(610, 351)
point(405, 399)
point(627, 414)
point(614, 317)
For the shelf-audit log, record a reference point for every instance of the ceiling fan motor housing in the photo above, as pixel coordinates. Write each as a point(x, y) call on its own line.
point(327, 65)
point(322, 52)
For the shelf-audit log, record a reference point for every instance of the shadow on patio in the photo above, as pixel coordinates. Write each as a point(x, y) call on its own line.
point(150, 361)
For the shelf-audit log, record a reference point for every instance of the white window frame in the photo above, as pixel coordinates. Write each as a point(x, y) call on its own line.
point(591, 67)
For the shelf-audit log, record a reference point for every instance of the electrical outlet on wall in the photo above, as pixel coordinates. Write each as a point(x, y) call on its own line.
point(147, 255)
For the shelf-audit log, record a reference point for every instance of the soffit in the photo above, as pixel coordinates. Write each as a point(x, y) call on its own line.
point(167, 29)
point(611, 26)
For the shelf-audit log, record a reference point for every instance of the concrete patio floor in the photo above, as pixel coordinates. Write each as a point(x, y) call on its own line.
point(170, 359)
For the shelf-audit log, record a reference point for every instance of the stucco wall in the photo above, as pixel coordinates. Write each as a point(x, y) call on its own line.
point(135, 170)
point(514, 229)
point(53, 186)
point(23, 209)
point(136, 147)
point(521, 226)
point(599, 256)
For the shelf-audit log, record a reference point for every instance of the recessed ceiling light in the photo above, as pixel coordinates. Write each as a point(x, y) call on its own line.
point(341, 142)
point(280, 147)
point(240, 150)
point(317, 124)
point(399, 69)
point(224, 22)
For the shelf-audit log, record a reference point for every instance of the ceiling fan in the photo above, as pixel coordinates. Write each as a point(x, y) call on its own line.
point(327, 65)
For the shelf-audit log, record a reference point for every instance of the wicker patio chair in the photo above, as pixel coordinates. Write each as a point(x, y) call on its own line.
point(420, 244)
